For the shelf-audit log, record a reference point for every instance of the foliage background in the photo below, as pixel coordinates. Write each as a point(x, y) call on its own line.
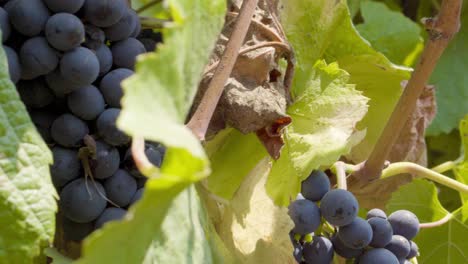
point(219, 207)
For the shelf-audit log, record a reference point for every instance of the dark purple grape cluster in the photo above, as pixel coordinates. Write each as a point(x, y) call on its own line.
point(326, 223)
point(68, 59)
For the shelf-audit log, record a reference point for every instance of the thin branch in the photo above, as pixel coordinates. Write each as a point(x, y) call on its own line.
point(153, 23)
point(418, 170)
point(437, 223)
point(441, 30)
point(278, 45)
point(139, 156)
point(340, 173)
point(148, 5)
point(262, 27)
point(446, 166)
point(290, 58)
point(276, 21)
point(202, 116)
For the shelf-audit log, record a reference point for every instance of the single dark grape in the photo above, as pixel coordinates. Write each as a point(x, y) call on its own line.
point(104, 13)
point(414, 250)
point(305, 215)
point(382, 232)
point(120, 188)
point(66, 166)
point(320, 251)
point(404, 223)
point(35, 93)
point(95, 37)
point(43, 121)
point(104, 55)
point(110, 214)
point(111, 86)
point(107, 161)
point(125, 52)
point(80, 66)
point(141, 182)
point(59, 105)
point(124, 28)
point(76, 231)
point(59, 85)
point(64, 31)
point(82, 200)
point(14, 67)
point(4, 25)
point(28, 73)
point(378, 256)
point(315, 186)
point(150, 45)
point(86, 103)
point(376, 213)
point(137, 29)
point(298, 253)
point(343, 250)
point(137, 196)
point(154, 153)
point(147, 33)
point(399, 246)
point(28, 17)
point(69, 131)
point(107, 128)
point(67, 6)
point(339, 207)
point(357, 234)
point(37, 57)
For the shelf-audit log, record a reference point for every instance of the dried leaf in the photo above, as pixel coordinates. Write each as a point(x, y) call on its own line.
point(254, 97)
point(252, 226)
point(410, 146)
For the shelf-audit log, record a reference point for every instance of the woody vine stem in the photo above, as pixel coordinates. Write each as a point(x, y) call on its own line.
point(441, 31)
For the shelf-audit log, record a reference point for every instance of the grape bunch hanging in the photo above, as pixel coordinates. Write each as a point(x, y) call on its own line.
point(326, 223)
point(68, 59)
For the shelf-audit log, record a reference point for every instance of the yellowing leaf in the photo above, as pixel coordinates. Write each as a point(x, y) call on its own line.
point(323, 128)
point(252, 226)
point(323, 30)
point(232, 155)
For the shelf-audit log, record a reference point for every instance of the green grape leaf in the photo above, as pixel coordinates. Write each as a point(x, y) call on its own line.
point(186, 221)
point(442, 244)
point(27, 196)
point(160, 206)
point(252, 227)
point(393, 4)
point(158, 97)
point(324, 120)
point(323, 29)
point(451, 83)
point(354, 7)
point(388, 31)
point(156, 102)
point(232, 156)
point(461, 170)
